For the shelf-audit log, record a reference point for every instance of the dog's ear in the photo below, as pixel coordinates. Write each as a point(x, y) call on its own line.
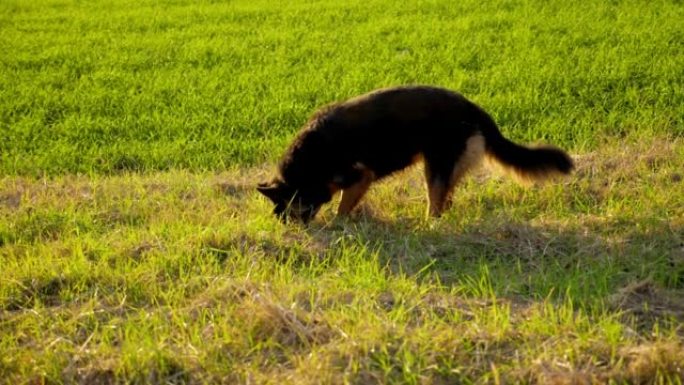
point(271, 190)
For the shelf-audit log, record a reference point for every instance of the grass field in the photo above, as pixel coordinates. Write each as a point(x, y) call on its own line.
point(133, 248)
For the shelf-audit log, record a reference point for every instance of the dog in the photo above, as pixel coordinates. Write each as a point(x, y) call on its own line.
point(349, 145)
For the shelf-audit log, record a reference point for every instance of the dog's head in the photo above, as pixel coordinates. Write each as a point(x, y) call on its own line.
point(292, 203)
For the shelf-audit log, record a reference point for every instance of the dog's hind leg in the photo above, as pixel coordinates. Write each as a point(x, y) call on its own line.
point(445, 168)
point(437, 195)
point(439, 168)
point(469, 159)
point(351, 196)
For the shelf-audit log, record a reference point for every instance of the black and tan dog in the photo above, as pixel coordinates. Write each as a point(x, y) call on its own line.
point(349, 145)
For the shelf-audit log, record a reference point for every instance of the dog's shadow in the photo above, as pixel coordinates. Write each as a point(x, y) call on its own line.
point(516, 259)
point(407, 245)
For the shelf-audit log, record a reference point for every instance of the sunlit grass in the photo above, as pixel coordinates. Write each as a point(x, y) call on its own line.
point(133, 248)
point(179, 277)
point(104, 87)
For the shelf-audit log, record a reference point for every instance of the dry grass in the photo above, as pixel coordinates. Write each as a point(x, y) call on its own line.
point(186, 278)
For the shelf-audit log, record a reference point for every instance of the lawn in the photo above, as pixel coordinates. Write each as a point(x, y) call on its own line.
point(134, 248)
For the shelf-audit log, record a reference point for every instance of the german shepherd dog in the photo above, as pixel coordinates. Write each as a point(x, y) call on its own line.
point(347, 146)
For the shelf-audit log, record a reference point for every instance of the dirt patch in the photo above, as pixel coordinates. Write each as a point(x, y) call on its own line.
point(11, 200)
point(645, 304)
point(233, 188)
point(645, 362)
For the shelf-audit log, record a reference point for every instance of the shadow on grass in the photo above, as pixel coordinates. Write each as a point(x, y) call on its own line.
point(635, 268)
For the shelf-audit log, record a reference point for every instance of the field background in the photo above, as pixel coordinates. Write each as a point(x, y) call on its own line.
point(134, 249)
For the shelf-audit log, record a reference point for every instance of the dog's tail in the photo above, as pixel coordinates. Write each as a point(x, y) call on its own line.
point(526, 164)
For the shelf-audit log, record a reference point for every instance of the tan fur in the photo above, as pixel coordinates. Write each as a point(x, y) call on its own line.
point(524, 177)
point(437, 194)
point(353, 194)
point(471, 158)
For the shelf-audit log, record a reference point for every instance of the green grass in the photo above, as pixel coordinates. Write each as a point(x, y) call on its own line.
point(134, 249)
point(100, 87)
point(182, 277)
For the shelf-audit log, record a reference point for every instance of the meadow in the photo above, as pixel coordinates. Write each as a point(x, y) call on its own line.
point(134, 248)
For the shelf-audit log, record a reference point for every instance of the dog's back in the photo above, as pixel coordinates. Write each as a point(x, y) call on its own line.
point(388, 129)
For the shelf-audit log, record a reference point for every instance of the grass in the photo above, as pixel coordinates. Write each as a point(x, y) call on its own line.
point(182, 277)
point(101, 87)
point(133, 248)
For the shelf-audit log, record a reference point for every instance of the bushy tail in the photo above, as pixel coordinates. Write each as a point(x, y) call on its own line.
point(525, 163)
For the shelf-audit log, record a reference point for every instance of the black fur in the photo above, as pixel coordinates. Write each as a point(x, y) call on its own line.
point(385, 131)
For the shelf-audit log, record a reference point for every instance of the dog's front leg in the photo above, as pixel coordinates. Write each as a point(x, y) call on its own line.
point(352, 195)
